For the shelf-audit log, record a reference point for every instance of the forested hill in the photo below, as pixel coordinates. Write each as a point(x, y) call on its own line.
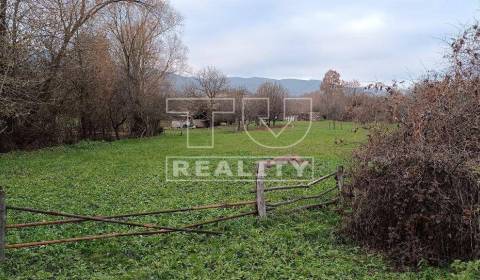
point(295, 87)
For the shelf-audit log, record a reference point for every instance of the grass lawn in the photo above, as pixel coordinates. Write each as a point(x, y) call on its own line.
point(98, 178)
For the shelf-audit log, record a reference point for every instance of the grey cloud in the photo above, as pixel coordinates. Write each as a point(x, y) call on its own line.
point(366, 40)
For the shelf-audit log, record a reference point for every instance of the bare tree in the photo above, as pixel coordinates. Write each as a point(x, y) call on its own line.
point(211, 82)
point(89, 76)
point(19, 75)
point(276, 95)
point(237, 94)
point(50, 77)
point(147, 48)
point(58, 22)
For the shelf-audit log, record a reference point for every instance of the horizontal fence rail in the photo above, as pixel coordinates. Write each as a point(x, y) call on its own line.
point(114, 235)
point(151, 213)
point(97, 219)
point(74, 218)
point(83, 238)
point(303, 186)
point(263, 207)
point(297, 199)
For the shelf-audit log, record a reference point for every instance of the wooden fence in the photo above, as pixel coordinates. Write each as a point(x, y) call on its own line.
point(261, 205)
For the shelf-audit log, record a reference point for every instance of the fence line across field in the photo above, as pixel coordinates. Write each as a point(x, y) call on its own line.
point(113, 235)
point(261, 205)
point(151, 213)
point(260, 190)
point(306, 186)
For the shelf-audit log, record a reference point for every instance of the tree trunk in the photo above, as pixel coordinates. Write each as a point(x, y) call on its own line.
point(117, 135)
point(84, 127)
point(3, 19)
point(3, 35)
point(239, 123)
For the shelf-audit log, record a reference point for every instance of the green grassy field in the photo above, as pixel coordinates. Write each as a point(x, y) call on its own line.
point(99, 178)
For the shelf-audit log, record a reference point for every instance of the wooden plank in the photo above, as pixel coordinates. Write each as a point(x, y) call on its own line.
point(3, 223)
point(260, 194)
point(340, 178)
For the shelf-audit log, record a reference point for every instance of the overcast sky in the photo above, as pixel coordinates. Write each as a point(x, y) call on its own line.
point(366, 40)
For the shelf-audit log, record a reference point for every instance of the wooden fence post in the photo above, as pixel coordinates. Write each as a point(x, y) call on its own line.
point(260, 194)
point(3, 224)
point(340, 178)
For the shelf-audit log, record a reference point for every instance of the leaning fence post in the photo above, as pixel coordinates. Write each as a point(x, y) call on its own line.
point(3, 224)
point(339, 178)
point(260, 194)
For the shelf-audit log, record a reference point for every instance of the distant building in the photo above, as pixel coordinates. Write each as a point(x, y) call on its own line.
point(185, 121)
point(315, 116)
point(199, 123)
point(182, 121)
point(291, 118)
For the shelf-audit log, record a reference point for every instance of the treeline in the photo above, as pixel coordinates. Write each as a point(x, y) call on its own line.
point(349, 101)
point(98, 69)
point(212, 93)
point(84, 69)
point(335, 100)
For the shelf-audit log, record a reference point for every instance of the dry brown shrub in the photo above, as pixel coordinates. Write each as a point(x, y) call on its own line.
point(417, 188)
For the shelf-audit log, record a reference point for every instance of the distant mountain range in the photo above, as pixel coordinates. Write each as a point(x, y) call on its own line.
point(295, 87)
